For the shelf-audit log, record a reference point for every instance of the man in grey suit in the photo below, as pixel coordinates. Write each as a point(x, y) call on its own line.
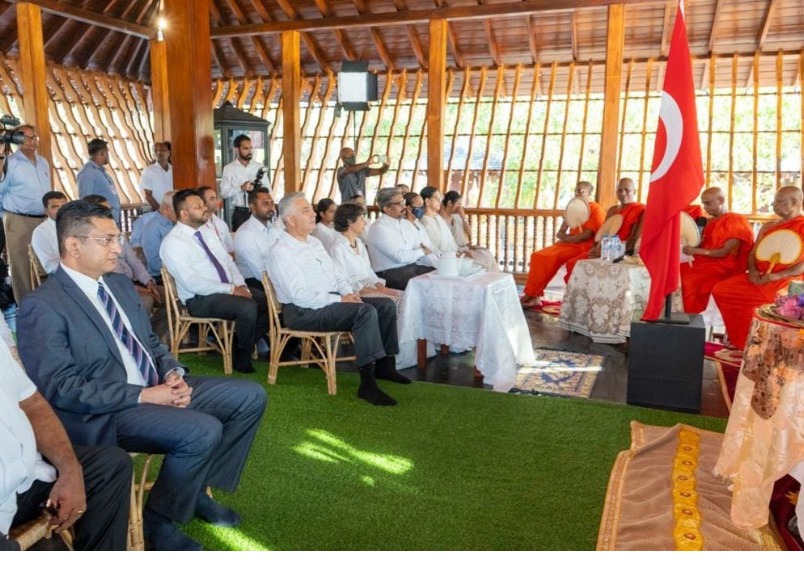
point(87, 343)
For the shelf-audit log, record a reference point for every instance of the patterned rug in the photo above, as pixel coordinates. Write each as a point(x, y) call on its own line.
point(559, 373)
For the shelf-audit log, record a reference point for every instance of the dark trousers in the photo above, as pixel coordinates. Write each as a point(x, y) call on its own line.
point(397, 278)
point(239, 216)
point(249, 314)
point(372, 323)
point(107, 482)
point(205, 444)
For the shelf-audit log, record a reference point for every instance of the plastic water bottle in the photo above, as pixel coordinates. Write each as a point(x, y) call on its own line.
point(605, 248)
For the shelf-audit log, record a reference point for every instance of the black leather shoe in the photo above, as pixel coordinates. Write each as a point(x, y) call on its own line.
point(162, 534)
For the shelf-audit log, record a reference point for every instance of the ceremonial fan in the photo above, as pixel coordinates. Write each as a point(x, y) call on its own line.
point(576, 213)
point(610, 227)
point(780, 247)
point(689, 231)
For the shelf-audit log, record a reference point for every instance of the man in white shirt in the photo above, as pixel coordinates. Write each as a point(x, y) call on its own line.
point(391, 245)
point(216, 224)
point(316, 296)
point(88, 487)
point(208, 281)
point(255, 237)
point(157, 178)
point(237, 179)
point(43, 240)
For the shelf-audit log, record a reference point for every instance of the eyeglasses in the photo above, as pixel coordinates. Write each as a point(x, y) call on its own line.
point(396, 203)
point(105, 241)
point(34, 137)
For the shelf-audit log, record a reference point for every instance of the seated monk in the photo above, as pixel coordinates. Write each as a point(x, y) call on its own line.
point(738, 296)
point(630, 230)
point(723, 252)
point(546, 262)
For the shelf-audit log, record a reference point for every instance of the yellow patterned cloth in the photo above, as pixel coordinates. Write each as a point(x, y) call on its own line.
point(662, 495)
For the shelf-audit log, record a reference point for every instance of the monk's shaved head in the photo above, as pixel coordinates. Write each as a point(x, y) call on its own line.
point(712, 192)
point(713, 201)
point(787, 202)
point(793, 191)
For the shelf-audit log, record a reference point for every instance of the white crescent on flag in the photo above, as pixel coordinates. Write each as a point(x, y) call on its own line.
point(671, 117)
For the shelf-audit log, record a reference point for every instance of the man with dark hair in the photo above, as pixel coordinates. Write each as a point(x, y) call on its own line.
point(157, 178)
point(237, 179)
point(152, 231)
point(208, 281)
point(255, 237)
point(93, 179)
point(26, 180)
point(113, 383)
point(43, 240)
point(216, 224)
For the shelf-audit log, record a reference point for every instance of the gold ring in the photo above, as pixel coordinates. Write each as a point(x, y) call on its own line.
point(80, 511)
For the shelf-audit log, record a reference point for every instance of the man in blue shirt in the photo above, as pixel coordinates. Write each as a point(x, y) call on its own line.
point(93, 179)
point(26, 181)
point(154, 232)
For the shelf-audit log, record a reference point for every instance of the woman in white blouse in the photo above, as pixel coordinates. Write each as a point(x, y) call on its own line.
point(324, 217)
point(453, 214)
point(350, 254)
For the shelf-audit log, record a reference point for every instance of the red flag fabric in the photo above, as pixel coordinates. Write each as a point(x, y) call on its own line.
point(677, 173)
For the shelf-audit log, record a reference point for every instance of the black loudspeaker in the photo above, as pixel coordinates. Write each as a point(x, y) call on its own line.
point(665, 364)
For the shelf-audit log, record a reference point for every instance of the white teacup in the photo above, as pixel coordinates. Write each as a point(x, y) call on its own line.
point(448, 266)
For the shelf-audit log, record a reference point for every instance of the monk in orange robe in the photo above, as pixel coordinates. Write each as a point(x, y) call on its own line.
point(723, 252)
point(546, 262)
point(738, 296)
point(629, 232)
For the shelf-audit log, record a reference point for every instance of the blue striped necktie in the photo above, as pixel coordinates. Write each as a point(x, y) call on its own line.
point(147, 370)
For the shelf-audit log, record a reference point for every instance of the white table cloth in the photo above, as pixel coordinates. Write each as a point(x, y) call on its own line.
point(482, 313)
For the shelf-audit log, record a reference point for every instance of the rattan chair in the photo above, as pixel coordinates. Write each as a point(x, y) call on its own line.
point(136, 539)
point(319, 348)
point(180, 322)
point(35, 270)
point(27, 535)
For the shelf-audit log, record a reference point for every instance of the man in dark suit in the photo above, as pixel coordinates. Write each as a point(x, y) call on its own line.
point(87, 343)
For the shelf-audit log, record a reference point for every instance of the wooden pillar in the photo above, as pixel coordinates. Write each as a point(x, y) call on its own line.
point(291, 110)
point(607, 170)
point(189, 96)
point(32, 70)
point(159, 90)
point(436, 100)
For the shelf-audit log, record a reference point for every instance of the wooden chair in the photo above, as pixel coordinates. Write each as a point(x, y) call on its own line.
point(35, 270)
point(27, 535)
point(180, 322)
point(317, 347)
point(136, 538)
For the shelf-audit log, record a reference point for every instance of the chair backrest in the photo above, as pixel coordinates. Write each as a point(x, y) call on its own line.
point(172, 305)
point(36, 271)
point(274, 307)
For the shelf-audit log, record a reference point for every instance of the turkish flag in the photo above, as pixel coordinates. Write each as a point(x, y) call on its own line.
point(677, 173)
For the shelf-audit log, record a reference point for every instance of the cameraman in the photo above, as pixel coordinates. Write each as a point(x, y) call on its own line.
point(237, 180)
point(26, 180)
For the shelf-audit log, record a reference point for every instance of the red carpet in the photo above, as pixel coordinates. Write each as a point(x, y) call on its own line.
point(551, 308)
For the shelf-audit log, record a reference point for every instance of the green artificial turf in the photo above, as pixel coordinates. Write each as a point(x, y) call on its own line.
point(449, 468)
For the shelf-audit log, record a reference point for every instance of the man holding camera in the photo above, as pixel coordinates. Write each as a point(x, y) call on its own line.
point(26, 180)
point(352, 175)
point(237, 179)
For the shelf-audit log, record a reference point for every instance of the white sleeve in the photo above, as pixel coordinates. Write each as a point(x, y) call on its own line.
point(248, 254)
point(145, 180)
point(340, 260)
point(46, 250)
point(229, 186)
point(291, 284)
point(183, 269)
point(387, 242)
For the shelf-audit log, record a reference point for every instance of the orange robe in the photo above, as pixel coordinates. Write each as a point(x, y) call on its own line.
point(631, 213)
point(737, 298)
point(695, 211)
point(698, 278)
point(546, 262)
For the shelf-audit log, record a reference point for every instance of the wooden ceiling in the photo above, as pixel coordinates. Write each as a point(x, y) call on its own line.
point(112, 36)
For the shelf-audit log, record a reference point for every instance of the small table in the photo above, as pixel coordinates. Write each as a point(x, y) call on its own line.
point(481, 312)
point(764, 438)
point(601, 298)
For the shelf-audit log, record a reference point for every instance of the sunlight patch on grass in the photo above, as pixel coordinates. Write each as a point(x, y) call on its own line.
point(331, 449)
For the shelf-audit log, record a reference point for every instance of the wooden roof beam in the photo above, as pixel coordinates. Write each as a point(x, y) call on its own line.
point(574, 35)
point(382, 49)
point(456, 13)
point(713, 31)
point(415, 42)
point(140, 16)
point(346, 47)
point(534, 49)
point(669, 10)
point(763, 34)
point(93, 18)
point(242, 58)
point(453, 43)
point(258, 41)
point(311, 45)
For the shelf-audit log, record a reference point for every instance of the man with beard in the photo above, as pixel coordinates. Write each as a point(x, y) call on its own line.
point(237, 180)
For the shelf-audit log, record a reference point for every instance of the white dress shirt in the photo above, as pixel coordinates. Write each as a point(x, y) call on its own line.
point(354, 263)
point(325, 234)
point(391, 246)
point(304, 274)
point(188, 263)
point(417, 232)
point(233, 177)
point(20, 462)
point(219, 227)
point(90, 288)
point(46, 245)
point(157, 180)
point(253, 242)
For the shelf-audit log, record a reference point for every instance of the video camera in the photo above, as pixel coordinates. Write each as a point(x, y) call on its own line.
point(258, 178)
point(8, 132)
